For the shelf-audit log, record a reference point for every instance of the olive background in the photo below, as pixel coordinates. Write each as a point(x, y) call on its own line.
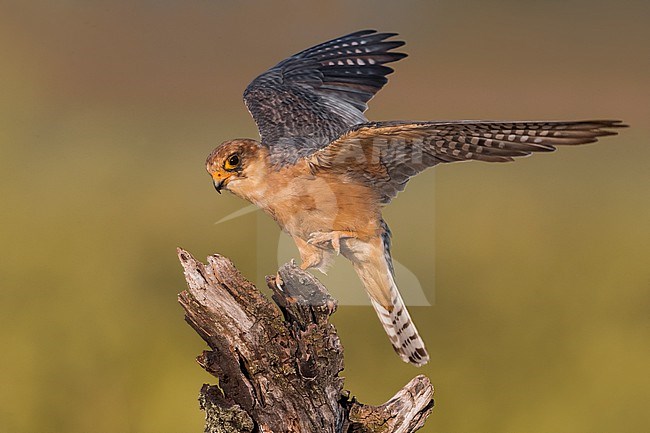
point(537, 271)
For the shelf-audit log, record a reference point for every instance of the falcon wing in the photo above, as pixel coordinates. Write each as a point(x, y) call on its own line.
point(385, 155)
point(306, 101)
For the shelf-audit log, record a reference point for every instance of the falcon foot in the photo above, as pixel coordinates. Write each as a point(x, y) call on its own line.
point(330, 239)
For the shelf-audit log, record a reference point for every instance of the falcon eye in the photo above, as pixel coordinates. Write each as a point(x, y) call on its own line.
point(232, 162)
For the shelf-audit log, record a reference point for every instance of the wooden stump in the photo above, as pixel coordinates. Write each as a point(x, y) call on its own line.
point(278, 363)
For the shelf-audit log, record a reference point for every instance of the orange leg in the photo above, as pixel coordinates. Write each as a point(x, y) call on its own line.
point(330, 239)
point(310, 255)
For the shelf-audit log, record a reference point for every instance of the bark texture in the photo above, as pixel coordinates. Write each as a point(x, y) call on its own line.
point(278, 363)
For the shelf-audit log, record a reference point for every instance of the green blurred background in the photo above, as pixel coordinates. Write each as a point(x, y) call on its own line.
point(541, 320)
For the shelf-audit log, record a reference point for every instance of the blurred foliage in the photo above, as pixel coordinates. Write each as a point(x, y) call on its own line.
point(539, 269)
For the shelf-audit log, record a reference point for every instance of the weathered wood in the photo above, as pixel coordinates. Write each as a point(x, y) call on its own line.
point(278, 364)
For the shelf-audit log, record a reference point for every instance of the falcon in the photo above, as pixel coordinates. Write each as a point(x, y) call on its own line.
point(324, 173)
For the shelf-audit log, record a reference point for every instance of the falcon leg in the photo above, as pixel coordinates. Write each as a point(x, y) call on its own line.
point(312, 256)
point(330, 239)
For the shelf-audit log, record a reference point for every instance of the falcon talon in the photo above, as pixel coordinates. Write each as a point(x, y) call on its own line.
point(321, 164)
point(328, 240)
point(278, 282)
point(336, 245)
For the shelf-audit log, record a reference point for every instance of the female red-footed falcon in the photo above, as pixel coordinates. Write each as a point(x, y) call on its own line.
point(324, 173)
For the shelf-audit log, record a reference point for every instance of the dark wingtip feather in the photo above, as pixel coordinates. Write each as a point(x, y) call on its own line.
point(605, 133)
point(360, 33)
point(605, 123)
point(613, 123)
point(397, 56)
point(603, 127)
point(617, 124)
point(389, 34)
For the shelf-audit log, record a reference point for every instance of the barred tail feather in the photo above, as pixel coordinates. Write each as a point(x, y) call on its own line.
point(401, 331)
point(374, 265)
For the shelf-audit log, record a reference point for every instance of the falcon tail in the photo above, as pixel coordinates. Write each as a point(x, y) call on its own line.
point(401, 331)
point(376, 273)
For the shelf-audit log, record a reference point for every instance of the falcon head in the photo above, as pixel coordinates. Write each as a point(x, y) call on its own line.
point(234, 161)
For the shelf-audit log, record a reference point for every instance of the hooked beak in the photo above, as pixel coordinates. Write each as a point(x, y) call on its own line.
point(218, 184)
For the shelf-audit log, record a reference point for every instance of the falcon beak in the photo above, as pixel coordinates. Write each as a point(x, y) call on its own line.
point(219, 180)
point(218, 184)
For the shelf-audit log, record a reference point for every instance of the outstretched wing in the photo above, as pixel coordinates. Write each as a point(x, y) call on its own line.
point(306, 101)
point(386, 154)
